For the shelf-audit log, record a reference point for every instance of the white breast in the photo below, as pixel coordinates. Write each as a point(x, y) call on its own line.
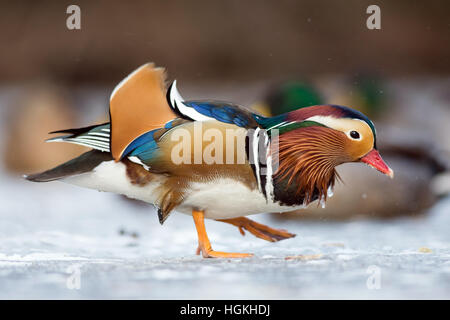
point(220, 199)
point(228, 198)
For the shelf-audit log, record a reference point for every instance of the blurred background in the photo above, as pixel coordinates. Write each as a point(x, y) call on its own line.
point(273, 56)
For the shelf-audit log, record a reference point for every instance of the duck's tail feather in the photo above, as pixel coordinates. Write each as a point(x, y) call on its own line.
point(95, 137)
point(84, 163)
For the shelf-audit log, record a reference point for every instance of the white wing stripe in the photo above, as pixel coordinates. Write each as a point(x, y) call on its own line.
point(104, 149)
point(176, 103)
point(99, 134)
point(89, 140)
point(94, 137)
point(100, 144)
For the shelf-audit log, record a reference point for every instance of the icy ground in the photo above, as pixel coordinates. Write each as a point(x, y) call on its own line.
point(55, 238)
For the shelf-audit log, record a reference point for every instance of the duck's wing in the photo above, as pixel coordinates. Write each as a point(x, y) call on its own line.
point(204, 110)
point(154, 150)
point(146, 148)
point(137, 106)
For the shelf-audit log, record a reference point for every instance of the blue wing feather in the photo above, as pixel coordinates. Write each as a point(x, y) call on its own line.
point(141, 144)
point(146, 152)
point(146, 148)
point(202, 108)
point(225, 112)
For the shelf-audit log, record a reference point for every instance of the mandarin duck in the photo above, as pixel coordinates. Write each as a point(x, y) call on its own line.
point(212, 159)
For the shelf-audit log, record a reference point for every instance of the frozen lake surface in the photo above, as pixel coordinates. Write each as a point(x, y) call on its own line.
point(64, 242)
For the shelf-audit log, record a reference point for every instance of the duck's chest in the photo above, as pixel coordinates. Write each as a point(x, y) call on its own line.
point(220, 197)
point(225, 198)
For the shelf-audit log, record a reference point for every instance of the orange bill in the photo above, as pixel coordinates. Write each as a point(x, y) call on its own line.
point(137, 105)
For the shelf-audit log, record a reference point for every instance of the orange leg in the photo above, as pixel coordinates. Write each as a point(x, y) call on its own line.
point(259, 230)
point(204, 246)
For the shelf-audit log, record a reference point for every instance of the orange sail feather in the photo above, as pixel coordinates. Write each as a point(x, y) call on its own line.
point(137, 105)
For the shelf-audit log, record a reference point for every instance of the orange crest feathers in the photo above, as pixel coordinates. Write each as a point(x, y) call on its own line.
point(307, 158)
point(137, 105)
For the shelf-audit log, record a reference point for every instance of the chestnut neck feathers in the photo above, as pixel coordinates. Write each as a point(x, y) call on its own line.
point(307, 160)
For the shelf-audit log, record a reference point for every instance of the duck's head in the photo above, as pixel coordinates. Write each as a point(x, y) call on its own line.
point(314, 140)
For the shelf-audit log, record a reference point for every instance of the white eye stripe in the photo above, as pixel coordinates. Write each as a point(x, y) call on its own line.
point(328, 121)
point(345, 125)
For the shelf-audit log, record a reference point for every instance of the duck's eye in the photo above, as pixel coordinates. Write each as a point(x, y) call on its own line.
point(354, 134)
